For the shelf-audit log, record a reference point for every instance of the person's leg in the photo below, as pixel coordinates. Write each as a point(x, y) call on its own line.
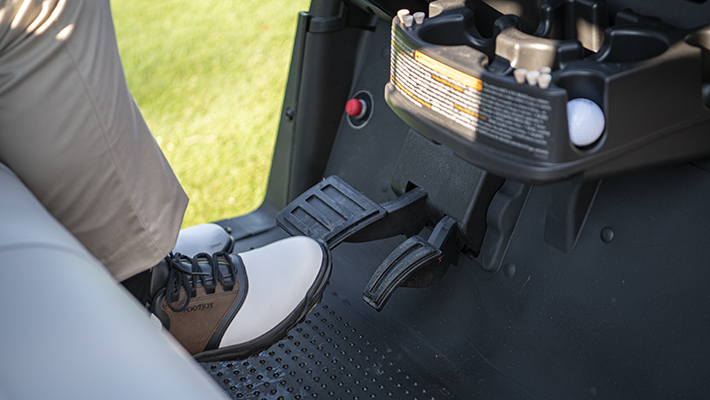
point(71, 130)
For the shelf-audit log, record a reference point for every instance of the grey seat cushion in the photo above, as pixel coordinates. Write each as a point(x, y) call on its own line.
point(69, 331)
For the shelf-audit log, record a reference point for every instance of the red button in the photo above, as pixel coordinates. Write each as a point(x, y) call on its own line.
point(355, 108)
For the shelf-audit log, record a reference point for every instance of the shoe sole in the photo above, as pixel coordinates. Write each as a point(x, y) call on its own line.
point(280, 331)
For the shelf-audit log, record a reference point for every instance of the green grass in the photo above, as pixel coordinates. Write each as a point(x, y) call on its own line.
point(209, 77)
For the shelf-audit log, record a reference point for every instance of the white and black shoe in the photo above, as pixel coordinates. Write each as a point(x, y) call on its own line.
point(231, 306)
point(204, 238)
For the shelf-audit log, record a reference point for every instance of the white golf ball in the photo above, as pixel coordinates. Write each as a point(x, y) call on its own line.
point(585, 121)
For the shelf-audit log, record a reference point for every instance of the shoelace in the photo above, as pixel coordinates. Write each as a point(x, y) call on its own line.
point(186, 273)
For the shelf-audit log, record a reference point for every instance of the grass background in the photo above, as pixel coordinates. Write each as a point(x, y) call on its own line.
point(209, 77)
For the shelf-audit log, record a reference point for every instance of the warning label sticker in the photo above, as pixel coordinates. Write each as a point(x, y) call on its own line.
point(504, 115)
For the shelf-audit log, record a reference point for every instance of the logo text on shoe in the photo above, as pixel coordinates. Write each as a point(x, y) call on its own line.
point(198, 307)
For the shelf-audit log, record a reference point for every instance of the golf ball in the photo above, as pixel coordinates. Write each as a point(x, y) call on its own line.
point(585, 121)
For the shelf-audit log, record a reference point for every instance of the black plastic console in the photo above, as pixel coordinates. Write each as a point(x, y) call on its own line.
point(452, 79)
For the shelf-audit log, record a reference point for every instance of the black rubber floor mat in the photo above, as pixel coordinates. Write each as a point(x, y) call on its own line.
point(325, 356)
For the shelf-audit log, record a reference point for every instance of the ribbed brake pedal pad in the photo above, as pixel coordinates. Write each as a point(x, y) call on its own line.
point(332, 210)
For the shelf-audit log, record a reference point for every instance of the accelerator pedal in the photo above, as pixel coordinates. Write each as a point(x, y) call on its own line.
point(334, 211)
point(415, 263)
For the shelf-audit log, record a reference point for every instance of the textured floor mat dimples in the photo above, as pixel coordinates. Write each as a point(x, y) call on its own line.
point(325, 357)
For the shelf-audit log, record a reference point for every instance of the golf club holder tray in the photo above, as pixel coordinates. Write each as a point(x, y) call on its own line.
point(451, 79)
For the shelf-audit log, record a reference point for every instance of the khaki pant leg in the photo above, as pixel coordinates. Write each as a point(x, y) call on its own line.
point(71, 130)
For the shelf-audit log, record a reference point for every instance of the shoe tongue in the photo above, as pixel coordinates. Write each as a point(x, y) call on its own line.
point(205, 266)
point(158, 277)
point(160, 273)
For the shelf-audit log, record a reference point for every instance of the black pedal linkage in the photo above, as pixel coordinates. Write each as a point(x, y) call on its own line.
point(416, 263)
point(334, 211)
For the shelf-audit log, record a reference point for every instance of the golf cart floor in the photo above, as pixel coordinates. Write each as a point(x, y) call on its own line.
point(337, 351)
